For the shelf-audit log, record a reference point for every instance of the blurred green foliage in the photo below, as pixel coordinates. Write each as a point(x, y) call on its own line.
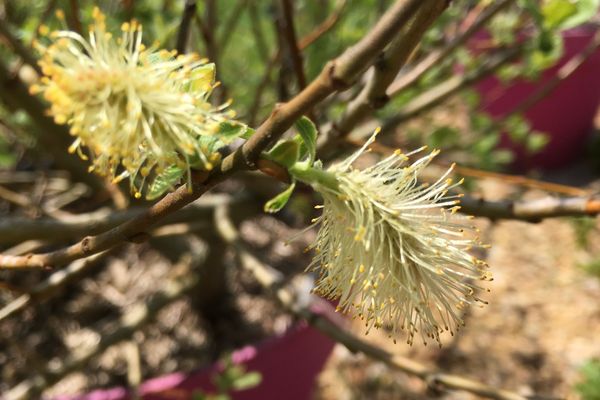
point(589, 387)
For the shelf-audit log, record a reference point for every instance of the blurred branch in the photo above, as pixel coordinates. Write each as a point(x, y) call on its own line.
point(17, 229)
point(438, 94)
point(272, 281)
point(75, 24)
point(52, 285)
point(483, 174)
point(289, 34)
point(18, 47)
point(139, 315)
point(373, 95)
point(189, 10)
point(337, 74)
point(416, 72)
point(306, 41)
point(323, 27)
point(531, 210)
point(231, 23)
point(563, 73)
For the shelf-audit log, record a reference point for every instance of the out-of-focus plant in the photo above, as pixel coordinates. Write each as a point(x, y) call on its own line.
point(589, 386)
point(232, 378)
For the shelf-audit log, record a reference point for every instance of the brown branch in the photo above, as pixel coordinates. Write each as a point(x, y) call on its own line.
point(75, 22)
point(18, 229)
point(289, 34)
point(306, 41)
point(18, 47)
point(183, 34)
point(438, 94)
point(231, 24)
point(272, 281)
point(52, 285)
point(416, 72)
point(373, 96)
point(323, 27)
point(531, 210)
point(337, 74)
point(141, 313)
point(563, 73)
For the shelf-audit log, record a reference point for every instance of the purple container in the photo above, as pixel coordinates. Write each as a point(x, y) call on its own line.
point(566, 114)
point(289, 365)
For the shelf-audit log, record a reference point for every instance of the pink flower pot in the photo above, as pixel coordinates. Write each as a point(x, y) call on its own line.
point(566, 115)
point(289, 365)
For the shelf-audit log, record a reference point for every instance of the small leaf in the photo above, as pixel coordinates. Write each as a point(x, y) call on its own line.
point(164, 182)
point(536, 142)
point(308, 133)
point(285, 153)
point(231, 130)
point(279, 201)
point(247, 381)
point(556, 12)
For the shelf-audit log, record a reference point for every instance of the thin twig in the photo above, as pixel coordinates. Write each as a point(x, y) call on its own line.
point(141, 313)
point(531, 210)
point(436, 95)
point(373, 96)
point(289, 35)
point(189, 10)
point(483, 174)
point(231, 24)
point(17, 229)
point(323, 27)
point(337, 74)
point(52, 285)
point(416, 72)
point(272, 281)
point(306, 41)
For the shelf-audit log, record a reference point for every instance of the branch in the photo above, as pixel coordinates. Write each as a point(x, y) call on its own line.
point(415, 73)
point(18, 229)
point(337, 74)
point(272, 281)
point(141, 313)
point(183, 34)
point(531, 210)
point(306, 41)
point(289, 34)
point(373, 96)
point(436, 95)
point(51, 285)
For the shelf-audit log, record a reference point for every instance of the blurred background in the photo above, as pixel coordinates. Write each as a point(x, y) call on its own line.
point(508, 90)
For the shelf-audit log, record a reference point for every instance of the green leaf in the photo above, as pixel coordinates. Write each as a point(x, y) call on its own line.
point(517, 128)
point(556, 12)
point(285, 153)
point(486, 144)
point(536, 142)
point(308, 134)
point(278, 202)
point(231, 130)
point(203, 78)
point(247, 381)
point(164, 182)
